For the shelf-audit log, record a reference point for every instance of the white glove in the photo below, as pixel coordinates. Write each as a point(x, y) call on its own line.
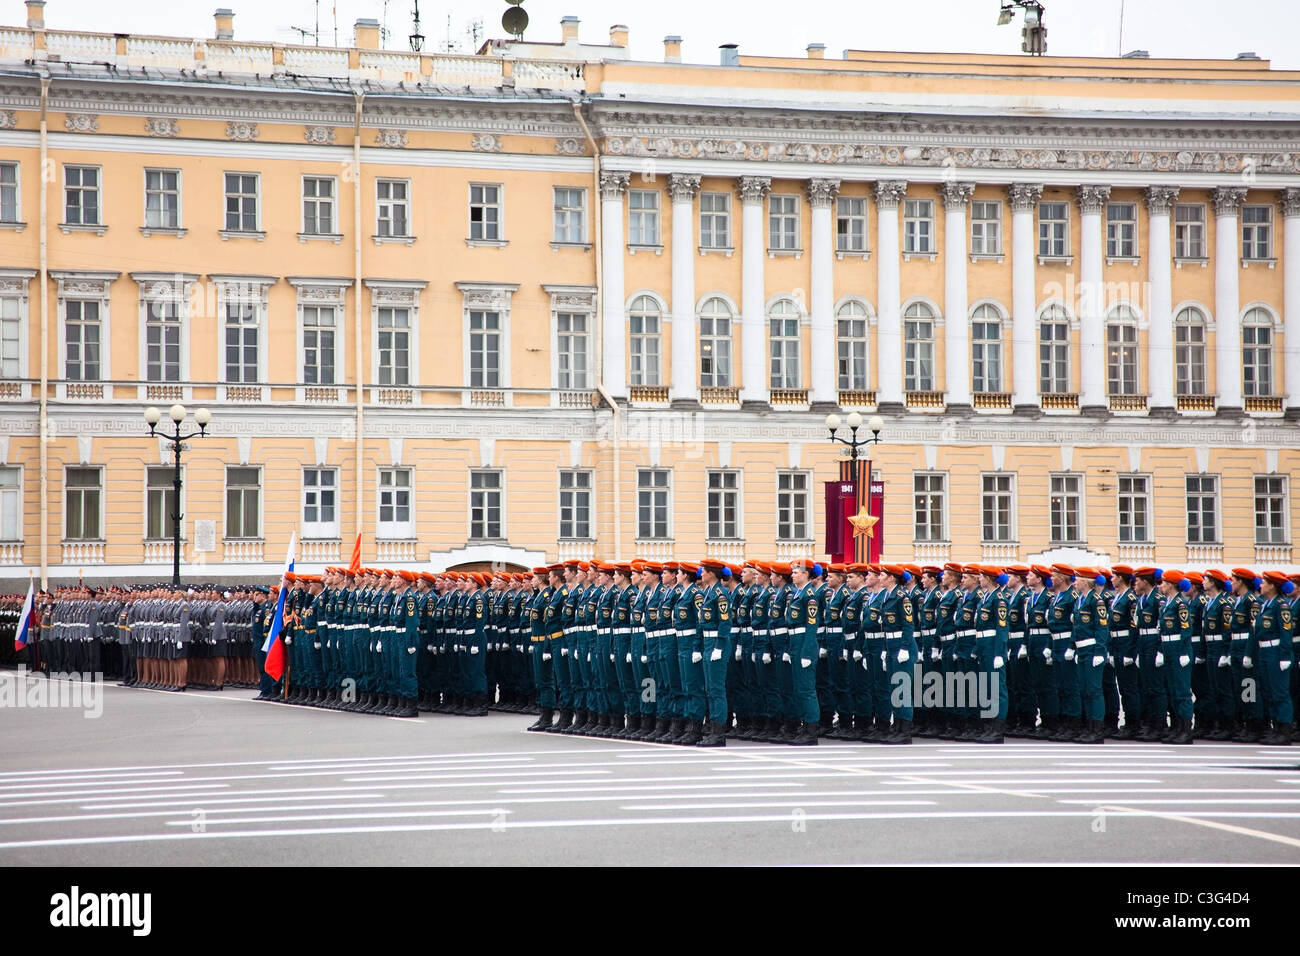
point(410, 650)
point(379, 645)
point(934, 654)
point(805, 662)
point(545, 656)
point(904, 655)
point(753, 658)
point(785, 658)
point(1069, 653)
point(1126, 661)
point(1022, 653)
point(474, 649)
point(1098, 661)
point(179, 644)
point(1225, 661)
point(1285, 665)
point(715, 654)
point(531, 649)
point(844, 654)
point(628, 658)
point(739, 655)
point(519, 648)
point(1247, 663)
point(644, 659)
point(1160, 659)
point(589, 657)
point(1200, 660)
point(316, 644)
point(821, 653)
point(882, 658)
point(564, 652)
point(1110, 659)
point(1047, 654)
point(288, 640)
point(857, 655)
point(1184, 660)
point(611, 659)
point(696, 657)
point(866, 664)
point(998, 662)
point(767, 658)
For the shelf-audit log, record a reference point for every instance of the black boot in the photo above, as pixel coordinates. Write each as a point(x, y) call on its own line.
point(661, 732)
point(716, 737)
point(676, 727)
point(544, 721)
point(993, 733)
point(407, 708)
point(576, 725)
point(805, 735)
point(1127, 732)
point(971, 730)
point(1180, 733)
point(1279, 736)
point(1249, 733)
point(1044, 730)
point(690, 736)
point(826, 724)
point(901, 733)
point(477, 707)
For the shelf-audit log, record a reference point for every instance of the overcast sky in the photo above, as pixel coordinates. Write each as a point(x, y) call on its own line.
point(1166, 28)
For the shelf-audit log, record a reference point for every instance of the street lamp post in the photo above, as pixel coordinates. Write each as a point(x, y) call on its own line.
point(854, 421)
point(177, 414)
point(857, 473)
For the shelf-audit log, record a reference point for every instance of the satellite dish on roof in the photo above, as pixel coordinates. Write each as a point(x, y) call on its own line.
point(515, 21)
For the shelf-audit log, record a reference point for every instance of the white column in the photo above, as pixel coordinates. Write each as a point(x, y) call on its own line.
point(889, 323)
point(753, 318)
point(1023, 198)
point(1291, 298)
point(1227, 297)
point(1092, 327)
point(825, 385)
point(613, 327)
point(684, 383)
point(1160, 329)
point(956, 309)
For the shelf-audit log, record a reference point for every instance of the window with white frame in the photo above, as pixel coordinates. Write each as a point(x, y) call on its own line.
point(851, 224)
point(570, 214)
point(162, 198)
point(571, 347)
point(319, 327)
point(851, 346)
point(929, 491)
point(918, 225)
point(243, 502)
point(395, 520)
point(393, 208)
point(645, 323)
point(997, 508)
point(643, 217)
point(1121, 230)
point(484, 349)
point(918, 348)
point(320, 516)
point(575, 504)
point(242, 331)
point(1189, 351)
point(723, 506)
point(986, 349)
point(1202, 509)
point(783, 342)
point(793, 506)
point(318, 205)
point(485, 506)
point(1257, 353)
point(9, 194)
point(1066, 509)
point(1054, 351)
point(11, 504)
point(81, 201)
point(162, 340)
point(485, 212)
point(394, 345)
point(1271, 510)
point(715, 343)
point(1121, 352)
point(715, 220)
point(82, 337)
point(1134, 509)
point(782, 222)
point(241, 202)
point(1053, 228)
point(160, 504)
point(83, 504)
point(653, 504)
point(1189, 230)
point(1257, 232)
point(11, 329)
point(985, 227)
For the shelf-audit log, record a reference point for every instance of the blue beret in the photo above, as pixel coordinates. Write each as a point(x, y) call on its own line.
point(1100, 580)
point(817, 570)
point(1184, 585)
point(726, 572)
point(1002, 578)
point(1160, 573)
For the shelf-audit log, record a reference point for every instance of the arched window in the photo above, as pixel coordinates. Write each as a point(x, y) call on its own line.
point(1054, 351)
point(1257, 353)
point(645, 324)
point(715, 343)
point(851, 343)
point(783, 342)
point(918, 348)
point(1121, 352)
point(1189, 351)
point(986, 349)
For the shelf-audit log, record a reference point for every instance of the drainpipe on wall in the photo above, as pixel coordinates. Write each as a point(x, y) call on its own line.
point(356, 312)
point(43, 326)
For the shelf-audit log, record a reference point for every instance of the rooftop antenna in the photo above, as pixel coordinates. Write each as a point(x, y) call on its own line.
point(383, 26)
point(304, 33)
point(416, 38)
point(1033, 34)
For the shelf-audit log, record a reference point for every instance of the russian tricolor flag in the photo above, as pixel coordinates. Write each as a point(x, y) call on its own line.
point(274, 647)
point(25, 620)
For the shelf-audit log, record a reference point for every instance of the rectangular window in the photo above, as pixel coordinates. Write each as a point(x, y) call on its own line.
point(241, 202)
point(1202, 509)
point(996, 507)
point(320, 517)
point(1270, 510)
point(644, 342)
point(393, 208)
point(928, 499)
point(162, 199)
point(653, 512)
point(851, 343)
point(570, 214)
point(82, 498)
point(1257, 232)
point(918, 225)
point(162, 338)
point(715, 220)
point(395, 522)
point(160, 504)
point(783, 340)
point(715, 351)
point(318, 205)
point(1189, 231)
point(10, 336)
point(1189, 356)
point(643, 217)
point(81, 333)
point(243, 502)
point(724, 506)
point(850, 224)
point(1054, 357)
point(986, 356)
point(485, 506)
point(571, 349)
point(575, 504)
point(918, 354)
point(1066, 509)
point(1134, 509)
point(1053, 228)
point(242, 331)
point(318, 330)
point(484, 349)
point(81, 195)
point(783, 222)
point(793, 506)
point(8, 192)
point(985, 228)
point(1121, 230)
point(11, 504)
point(394, 346)
point(485, 212)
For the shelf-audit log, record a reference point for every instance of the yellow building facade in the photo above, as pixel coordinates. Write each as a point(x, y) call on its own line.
point(547, 301)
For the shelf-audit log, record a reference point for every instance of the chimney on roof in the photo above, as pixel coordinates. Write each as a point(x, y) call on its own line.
point(569, 29)
point(366, 34)
point(225, 19)
point(618, 35)
point(1249, 55)
point(36, 14)
point(816, 51)
point(672, 49)
point(730, 54)
point(1136, 55)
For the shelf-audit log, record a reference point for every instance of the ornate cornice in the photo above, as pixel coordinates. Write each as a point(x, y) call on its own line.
point(1159, 199)
point(81, 123)
point(1228, 200)
point(890, 192)
point(1023, 197)
point(1291, 202)
point(682, 187)
point(486, 143)
point(613, 184)
point(8, 119)
point(319, 135)
point(162, 126)
point(956, 195)
point(822, 192)
point(570, 146)
point(1091, 199)
point(241, 131)
point(754, 188)
point(391, 138)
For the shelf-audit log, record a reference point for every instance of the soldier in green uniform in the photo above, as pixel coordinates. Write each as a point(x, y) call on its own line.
point(655, 646)
point(689, 656)
point(832, 670)
point(1037, 609)
point(899, 621)
point(766, 722)
point(802, 621)
point(1124, 650)
point(713, 644)
point(926, 603)
point(1271, 645)
point(1020, 690)
point(1060, 622)
point(641, 712)
point(1203, 701)
point(1146, 619)
point(540, 650)
point(779, 639)
point(963, 652)
point(1216, 625)
point(991, 642)
point(859, 681)
point(1174, 659)
point(1248, 707)
point(1091, 629)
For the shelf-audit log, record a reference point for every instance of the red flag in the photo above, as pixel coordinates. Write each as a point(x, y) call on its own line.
point(355, 566)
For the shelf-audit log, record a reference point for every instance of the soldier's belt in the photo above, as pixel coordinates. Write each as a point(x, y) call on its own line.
point(714, 634)
point(1038, 631)
point(990, 633)
point(1062, 635)
point(622, 630)
point(779, 631)
point(1086, 642)
point(1148, 631)
point(1197, 639)
point(833, 632)
point(1123, 633)
point(945, 638)
point(1273, 643)
point(689, 632)
point(1241, 636)
point(538, 639)
point(1170, 638)
point(554, 635)
point(893, 635)
point(965, 634)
